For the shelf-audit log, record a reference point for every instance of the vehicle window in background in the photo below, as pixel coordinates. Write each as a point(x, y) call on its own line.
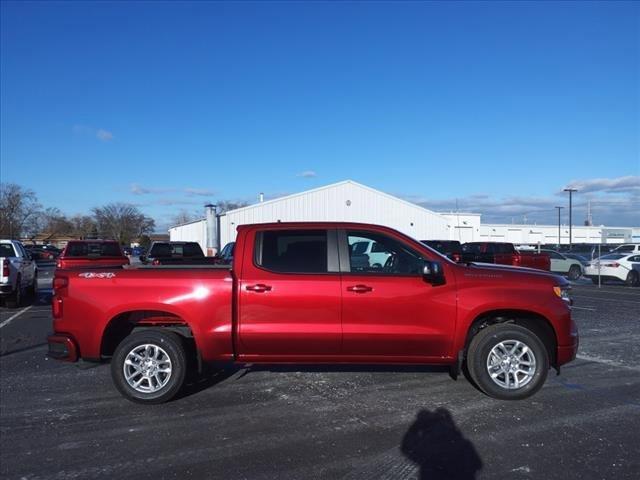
point(191, 250)
point(625, 248)
point(293, 251)
point(93, 249)
point(634, 259)
point(6, 250)
point(612, 256)
point(387, 256)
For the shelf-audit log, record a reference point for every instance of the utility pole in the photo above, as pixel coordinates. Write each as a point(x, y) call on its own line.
point(559, 208)
point(570, 190)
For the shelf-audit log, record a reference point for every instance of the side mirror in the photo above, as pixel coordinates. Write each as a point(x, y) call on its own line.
point(432, 273)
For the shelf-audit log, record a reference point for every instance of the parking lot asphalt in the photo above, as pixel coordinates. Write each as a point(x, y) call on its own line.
point(62, 421)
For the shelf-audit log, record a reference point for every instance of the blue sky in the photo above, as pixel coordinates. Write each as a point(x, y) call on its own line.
point(170, 105)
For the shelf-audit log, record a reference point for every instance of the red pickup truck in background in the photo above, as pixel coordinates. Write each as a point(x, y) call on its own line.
point(92, 254)
point(306, 293)
point(504, 254)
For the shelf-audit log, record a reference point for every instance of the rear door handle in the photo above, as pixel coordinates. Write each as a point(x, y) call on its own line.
point(260, 287)
point(359, 288)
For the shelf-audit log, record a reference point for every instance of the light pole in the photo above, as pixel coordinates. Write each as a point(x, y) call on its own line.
point(570, 190)
point(559, 242)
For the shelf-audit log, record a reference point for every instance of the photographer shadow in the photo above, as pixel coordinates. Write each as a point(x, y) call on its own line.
point(439, 448)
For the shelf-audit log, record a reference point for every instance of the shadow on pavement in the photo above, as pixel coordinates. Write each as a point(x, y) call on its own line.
point(438, 447)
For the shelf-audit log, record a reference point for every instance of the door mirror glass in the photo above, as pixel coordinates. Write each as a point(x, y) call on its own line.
point(432, 273)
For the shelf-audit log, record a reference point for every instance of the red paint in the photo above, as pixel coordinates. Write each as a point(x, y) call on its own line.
point(247, 313)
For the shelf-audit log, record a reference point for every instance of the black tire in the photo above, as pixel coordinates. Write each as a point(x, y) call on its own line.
point(480, 349)
point(34, 285)
point(575, 272)
point(16, 298)
point(171, 345)
point(633, 279)
point(594, 281)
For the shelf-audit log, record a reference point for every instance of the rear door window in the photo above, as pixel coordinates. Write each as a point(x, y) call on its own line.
point(292, 251)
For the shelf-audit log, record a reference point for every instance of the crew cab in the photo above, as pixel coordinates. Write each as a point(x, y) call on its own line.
point(18, 273)
point(295, 295)
point(504, 254)
point(92, 253)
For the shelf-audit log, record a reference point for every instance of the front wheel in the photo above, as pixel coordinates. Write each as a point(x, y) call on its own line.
point(149, 366)
point(507, 361)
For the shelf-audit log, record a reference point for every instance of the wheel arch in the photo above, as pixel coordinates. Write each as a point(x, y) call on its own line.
point(533, 321)
point(124, 324)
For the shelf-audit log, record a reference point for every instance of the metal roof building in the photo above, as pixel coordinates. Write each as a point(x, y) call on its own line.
point(349, 201)
point(346, 201)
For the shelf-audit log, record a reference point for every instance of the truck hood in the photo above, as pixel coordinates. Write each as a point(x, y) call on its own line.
point(489, 270)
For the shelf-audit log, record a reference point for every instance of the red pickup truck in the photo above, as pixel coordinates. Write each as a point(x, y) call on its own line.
point(300, 293)
point(92, 254)
point(504, 254)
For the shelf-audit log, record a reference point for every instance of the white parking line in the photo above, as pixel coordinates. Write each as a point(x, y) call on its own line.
point(584, 308)
point(14, 316)
point(605, 361)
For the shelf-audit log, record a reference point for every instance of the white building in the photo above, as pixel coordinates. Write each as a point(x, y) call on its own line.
point(349, 201)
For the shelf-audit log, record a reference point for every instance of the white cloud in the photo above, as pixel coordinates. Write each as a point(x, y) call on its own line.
point(202, 192)
point(138, 189)
point(614, 202)
point(104, 135)
point(99, 133)
point(307, 174)
point(626, 184)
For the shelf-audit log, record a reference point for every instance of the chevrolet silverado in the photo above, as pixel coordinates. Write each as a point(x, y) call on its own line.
point(296, 294)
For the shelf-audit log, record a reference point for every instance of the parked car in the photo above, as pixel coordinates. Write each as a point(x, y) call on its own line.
point(563, 264)
point(293, 295)
point(41, 255)
point(92, 254)
point(448, 248)
point(225, 257)
point(177, 253)
point(615, 266)
point(128, 251)
point(628, 248)
point(583, 260)
point(504, 254)
point(18, 273)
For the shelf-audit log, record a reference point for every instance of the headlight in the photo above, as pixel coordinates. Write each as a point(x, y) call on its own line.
point(563, 293)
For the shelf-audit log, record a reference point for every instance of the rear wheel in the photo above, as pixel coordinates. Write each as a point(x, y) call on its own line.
point(507, 361)
point(34, 284)
point(574, 272)
point(633, 280)
point(15, 300)
point(149, 366)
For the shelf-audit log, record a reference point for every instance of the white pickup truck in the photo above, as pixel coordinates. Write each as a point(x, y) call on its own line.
point(18, 273)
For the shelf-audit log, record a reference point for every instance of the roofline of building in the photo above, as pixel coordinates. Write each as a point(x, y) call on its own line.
point(331, 185)
point(185, 223)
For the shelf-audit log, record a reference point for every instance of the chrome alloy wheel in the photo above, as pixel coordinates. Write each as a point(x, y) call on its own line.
point(511, 364)
point(147, 368)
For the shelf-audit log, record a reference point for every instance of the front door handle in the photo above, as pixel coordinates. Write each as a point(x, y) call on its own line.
point(359, 288)
point(260, 287)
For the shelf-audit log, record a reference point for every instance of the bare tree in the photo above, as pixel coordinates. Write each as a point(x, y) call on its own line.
point(50, 222)
point(17, 206)
point(227, 205)
point(122, 222)
point(84, 226)
point(183, 216)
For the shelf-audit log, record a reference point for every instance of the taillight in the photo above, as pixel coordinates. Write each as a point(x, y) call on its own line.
point(56, 307)
point(5, 268)
point(60, 282)
point(59, 264)
point(456, 257)
point(613, 265)
point(155, 262)
point(516, 260)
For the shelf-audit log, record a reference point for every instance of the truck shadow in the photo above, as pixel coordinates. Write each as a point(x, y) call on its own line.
point(439, 448)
